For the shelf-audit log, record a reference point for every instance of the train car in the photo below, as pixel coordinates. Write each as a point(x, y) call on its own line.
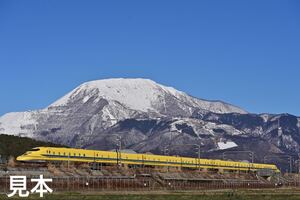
point(40, 154)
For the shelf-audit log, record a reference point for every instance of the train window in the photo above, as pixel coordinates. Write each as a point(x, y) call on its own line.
point(59, 153)
point(79, 155)
point(84, 155)
point(97, 155)
point(35, 149)
point(74, 154)
point(64, 153)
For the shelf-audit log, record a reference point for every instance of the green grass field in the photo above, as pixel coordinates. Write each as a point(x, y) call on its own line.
point(283, 194)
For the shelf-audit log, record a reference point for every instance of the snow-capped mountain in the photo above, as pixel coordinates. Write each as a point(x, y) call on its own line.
point(99, 104)
point(149, 117)
point(143, 95)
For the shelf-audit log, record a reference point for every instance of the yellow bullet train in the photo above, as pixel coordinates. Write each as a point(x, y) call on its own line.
point(109, 157)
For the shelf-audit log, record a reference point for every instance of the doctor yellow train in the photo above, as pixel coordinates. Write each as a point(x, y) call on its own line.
point(39, 154)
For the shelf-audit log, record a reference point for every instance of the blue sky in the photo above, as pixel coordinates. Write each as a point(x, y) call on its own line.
point(243, 52)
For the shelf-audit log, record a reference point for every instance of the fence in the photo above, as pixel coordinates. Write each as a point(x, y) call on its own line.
point(133, 184)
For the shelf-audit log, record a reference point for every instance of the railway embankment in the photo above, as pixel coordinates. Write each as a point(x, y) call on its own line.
point(112, 178)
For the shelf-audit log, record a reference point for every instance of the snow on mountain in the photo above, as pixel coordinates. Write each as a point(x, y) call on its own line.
point(96, 105)
point(135, 94)
point(142, 95)
point(226, 145)
point(22, 123)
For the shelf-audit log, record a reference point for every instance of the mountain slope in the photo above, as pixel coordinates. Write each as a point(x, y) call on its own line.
point(94, 106)
point(151, 117)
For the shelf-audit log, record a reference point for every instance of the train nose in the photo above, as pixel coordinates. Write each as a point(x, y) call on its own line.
point(21, 158)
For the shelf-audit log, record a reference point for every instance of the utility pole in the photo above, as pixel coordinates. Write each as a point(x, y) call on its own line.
point(199, 160)
point(166, 151)
point(68, 160)
point(119, 149)
point(291, 163)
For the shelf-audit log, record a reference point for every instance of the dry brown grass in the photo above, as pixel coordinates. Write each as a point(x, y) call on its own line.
point(53, 169)
point(11, 162)
point(69, 167)
point(83, 166)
